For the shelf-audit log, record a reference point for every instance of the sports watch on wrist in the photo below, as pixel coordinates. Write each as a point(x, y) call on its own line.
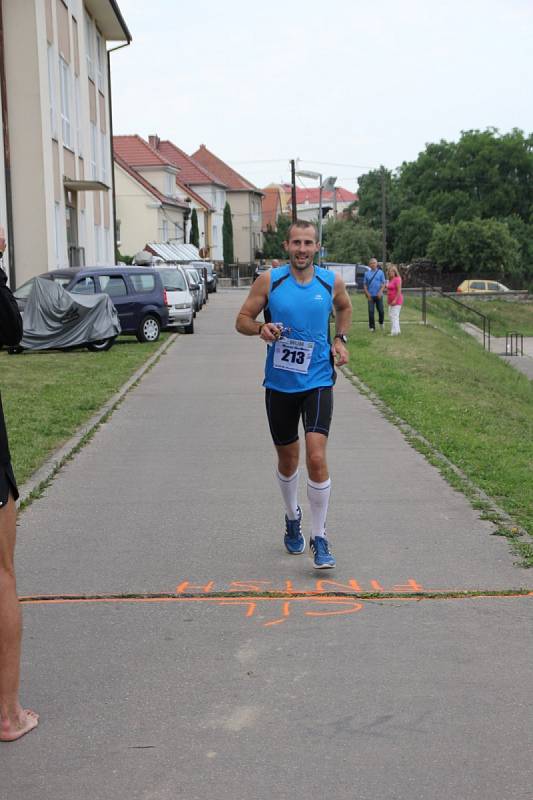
point(342, 337)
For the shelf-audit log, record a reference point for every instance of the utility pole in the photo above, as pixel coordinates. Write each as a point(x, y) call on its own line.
point(383, 218)
point(293, 190)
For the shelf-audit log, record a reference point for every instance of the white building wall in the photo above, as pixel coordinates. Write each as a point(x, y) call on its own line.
point(216, 197)
point(36, 78)
point(138, 212)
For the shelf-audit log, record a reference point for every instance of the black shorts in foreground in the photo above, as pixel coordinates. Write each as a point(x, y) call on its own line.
point(8, 484)
point(285, 408)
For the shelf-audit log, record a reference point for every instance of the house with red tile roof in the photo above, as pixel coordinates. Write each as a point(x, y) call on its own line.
point(208, 186)
point(308, 199)
point(141, 171)
point(144, 213)
point(245, 202)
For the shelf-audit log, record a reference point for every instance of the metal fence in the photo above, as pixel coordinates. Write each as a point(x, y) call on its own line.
point(434, 301)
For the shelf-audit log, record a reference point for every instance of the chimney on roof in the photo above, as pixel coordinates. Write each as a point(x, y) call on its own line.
point(204, 147)
point(154, 141)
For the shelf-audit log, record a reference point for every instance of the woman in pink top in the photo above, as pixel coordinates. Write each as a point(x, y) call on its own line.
point(394, 299)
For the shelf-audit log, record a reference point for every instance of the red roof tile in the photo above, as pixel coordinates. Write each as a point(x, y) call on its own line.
point(189, 170)
point(218, 167)
point(138, 153)
point(311, 196)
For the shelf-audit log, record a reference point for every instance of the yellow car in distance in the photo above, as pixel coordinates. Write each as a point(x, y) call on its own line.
point(481, 285)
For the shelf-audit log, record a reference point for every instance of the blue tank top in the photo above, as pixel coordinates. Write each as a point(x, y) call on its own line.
point(305, 310)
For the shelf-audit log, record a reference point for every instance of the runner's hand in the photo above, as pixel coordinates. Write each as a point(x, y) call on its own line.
point(270, 332)
point(339, 352)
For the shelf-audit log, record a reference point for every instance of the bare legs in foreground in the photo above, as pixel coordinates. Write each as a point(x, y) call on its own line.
point(14, 720)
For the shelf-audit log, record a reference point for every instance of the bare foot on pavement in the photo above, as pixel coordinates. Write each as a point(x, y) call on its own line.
point(11, 731)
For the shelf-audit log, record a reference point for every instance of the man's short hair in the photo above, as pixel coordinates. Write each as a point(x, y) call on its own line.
point(302, 223)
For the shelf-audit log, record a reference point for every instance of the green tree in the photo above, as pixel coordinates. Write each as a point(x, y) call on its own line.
point(351, 241)
point(481, 246)
point(273, 239)
point(412, 234)
point(227, 235)
point(369, 206)
point(484, 174)
point(194, 235)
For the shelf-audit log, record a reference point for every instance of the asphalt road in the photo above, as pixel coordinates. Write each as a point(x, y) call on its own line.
point(162, 670)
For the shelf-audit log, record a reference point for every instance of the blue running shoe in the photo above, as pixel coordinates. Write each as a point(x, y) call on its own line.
point(293, 539)
point(322, 557)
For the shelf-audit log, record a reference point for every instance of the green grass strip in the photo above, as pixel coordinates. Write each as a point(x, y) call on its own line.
point(467, 404)
point(48, 396)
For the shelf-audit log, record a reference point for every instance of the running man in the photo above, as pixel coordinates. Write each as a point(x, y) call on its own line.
point(297, 299)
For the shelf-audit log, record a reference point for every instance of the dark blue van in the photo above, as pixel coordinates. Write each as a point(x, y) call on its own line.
point(137, 294)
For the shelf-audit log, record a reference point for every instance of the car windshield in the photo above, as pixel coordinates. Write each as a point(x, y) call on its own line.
point(173, 280)
point(25, 290)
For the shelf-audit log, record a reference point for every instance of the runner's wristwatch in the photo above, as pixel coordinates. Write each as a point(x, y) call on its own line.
point(342, 337)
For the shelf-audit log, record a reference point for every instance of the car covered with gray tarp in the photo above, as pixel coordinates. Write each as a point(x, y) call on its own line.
point(55, 318)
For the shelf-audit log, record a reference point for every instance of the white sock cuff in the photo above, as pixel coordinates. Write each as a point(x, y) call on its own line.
point(286, 479)
point(324, 485)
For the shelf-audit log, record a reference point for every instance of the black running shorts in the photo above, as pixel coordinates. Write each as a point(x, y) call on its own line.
point(284, 410)
point(8, 484)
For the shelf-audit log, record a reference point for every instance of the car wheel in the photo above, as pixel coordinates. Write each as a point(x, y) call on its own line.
point(189, 328)
point(101, 345)
point(149, 329)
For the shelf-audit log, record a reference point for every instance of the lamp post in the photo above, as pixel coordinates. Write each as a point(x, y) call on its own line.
point(327, 186)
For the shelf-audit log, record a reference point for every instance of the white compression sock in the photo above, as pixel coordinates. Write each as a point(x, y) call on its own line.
point(318, 496)
point(289, 491)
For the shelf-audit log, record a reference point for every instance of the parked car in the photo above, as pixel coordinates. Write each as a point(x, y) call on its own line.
point(202, 282)
point(180, 299)
point(259, 269)
point(137, 294)
point(481, 285)
point(57, 319)
point(196, 285)
point(194, 289)
point(212, 277)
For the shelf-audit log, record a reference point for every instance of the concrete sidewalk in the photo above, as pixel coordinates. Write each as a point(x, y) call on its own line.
point(189, 694)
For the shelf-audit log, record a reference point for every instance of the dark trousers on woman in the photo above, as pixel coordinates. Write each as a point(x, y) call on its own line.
point(376, 302)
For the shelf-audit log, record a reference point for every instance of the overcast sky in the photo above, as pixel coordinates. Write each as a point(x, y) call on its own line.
point(345, 86)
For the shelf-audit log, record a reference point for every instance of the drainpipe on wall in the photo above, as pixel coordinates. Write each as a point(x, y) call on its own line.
point(7, 158)
point(112, 50)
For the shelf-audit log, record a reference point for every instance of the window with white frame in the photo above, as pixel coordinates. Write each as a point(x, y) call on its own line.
point(66, 102)
point(103, 155)
point(100, 60)
point(94, 163)
point(89, 45)
point(215, 234)
point(52, 90)
point(176, 231)
point(170, 184)
point(77, 104)
point(165, 231)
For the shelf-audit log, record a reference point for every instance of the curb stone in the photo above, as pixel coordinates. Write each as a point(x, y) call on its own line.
point(31, 489)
